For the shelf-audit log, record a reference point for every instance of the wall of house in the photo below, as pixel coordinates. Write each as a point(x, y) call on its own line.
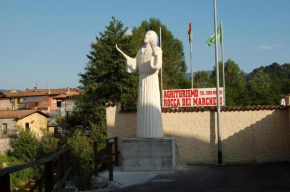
point(5, 104)
point(11, 124)
point(5, 141)
point(16, 103)
point(53, 105)
point(36, 123)
point(247, 136)
point(66, 105)
point(6, 144)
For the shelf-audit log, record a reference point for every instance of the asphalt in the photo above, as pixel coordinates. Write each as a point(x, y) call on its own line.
point(217, 178)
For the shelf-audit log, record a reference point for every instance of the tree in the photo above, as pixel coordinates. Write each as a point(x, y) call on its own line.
point(26, 146)
point(202, 80)
point(105, 77)
point(174, 66)
point(236, 92)
point(279, 81)
point(260, 88)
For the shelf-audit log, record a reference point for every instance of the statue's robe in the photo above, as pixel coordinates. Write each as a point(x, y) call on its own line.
point(149, 118)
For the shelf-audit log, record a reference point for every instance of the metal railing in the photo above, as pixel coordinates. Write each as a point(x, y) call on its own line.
point(107, 158)
point(61, 158)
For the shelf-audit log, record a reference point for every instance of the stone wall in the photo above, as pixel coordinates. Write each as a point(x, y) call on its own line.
point(5, 140)
point(11, 124)
point(247, 136)
point(6, 144)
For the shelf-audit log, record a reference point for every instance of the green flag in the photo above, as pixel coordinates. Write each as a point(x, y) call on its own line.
point(211, 40)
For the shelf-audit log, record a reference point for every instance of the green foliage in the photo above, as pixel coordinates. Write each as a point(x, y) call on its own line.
point(48, 145)
point(236, 90)
point(26, 146)
point(263, 86)
point(277, 81)
point(174, 66)
point(105, 74)
point(260, 89)
point(81, 153)
point(202, 80)
point(105, 78)
point(17, 178)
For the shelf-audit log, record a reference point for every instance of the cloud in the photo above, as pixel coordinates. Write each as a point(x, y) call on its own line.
point(267, 47)
point(128, 32)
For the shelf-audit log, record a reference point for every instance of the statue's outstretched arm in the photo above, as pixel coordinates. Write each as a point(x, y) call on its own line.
point(126, 56)
point(131, 65)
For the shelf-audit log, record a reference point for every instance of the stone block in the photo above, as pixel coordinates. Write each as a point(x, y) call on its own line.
point(149, 154)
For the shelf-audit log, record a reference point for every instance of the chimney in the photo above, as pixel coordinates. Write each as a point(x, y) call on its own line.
point(68, 90)
point(35, 88)
point(49, 91)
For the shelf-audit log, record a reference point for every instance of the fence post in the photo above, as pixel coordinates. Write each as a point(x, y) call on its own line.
point(110, 159)
point(40, 186)
point(5, 183)
point(96, 158)
point(116, 151)
point(60, 169)
point(67, 162)
point(49, 176)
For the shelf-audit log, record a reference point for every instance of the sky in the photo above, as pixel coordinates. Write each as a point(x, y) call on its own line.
point(45, 43)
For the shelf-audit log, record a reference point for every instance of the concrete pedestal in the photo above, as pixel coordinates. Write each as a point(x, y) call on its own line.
point(144, 154)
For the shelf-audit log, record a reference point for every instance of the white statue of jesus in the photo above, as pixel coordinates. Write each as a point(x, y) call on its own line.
point(148, 61)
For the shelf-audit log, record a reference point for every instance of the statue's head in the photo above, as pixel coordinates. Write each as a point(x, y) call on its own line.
point(151, 37)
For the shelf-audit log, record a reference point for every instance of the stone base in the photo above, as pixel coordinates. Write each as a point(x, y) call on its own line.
point(149, 154)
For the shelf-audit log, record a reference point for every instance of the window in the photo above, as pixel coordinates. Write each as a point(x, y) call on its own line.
point(4, 129)
point(27, 126)
point(58, 104)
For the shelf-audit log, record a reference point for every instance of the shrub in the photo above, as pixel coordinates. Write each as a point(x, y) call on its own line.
point(48, 145)
point(26, 146)
point(19, 177)
point(81, 152)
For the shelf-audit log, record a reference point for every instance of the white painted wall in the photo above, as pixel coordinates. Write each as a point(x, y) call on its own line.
point(247, 136)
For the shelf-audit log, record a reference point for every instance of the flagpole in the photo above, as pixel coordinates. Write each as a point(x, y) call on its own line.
point(222, 45)
point(161, 78)
point(220, 160)
point(191, 62)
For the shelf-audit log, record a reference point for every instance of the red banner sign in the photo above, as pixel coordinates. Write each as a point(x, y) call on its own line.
point(191, 97)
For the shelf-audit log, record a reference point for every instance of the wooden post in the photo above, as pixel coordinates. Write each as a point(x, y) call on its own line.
point(40, 186)
point(60, 169)
point(67, 162)
point(5, 183)
point(96, 158)
point(116, 151)
point(48, 176)
point(110, 159)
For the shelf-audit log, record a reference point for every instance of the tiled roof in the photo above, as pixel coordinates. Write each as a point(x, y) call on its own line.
point(40, 92)
point(8, 114)
point(2, 95)
point(223, 108)
point(63, 96)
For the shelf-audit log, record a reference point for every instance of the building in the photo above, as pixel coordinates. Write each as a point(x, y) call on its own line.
point(5, 102)
point(40, 99)
point(65, 103)
point(11, 121)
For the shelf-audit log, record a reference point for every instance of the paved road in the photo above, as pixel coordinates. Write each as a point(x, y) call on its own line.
point(220, 178)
